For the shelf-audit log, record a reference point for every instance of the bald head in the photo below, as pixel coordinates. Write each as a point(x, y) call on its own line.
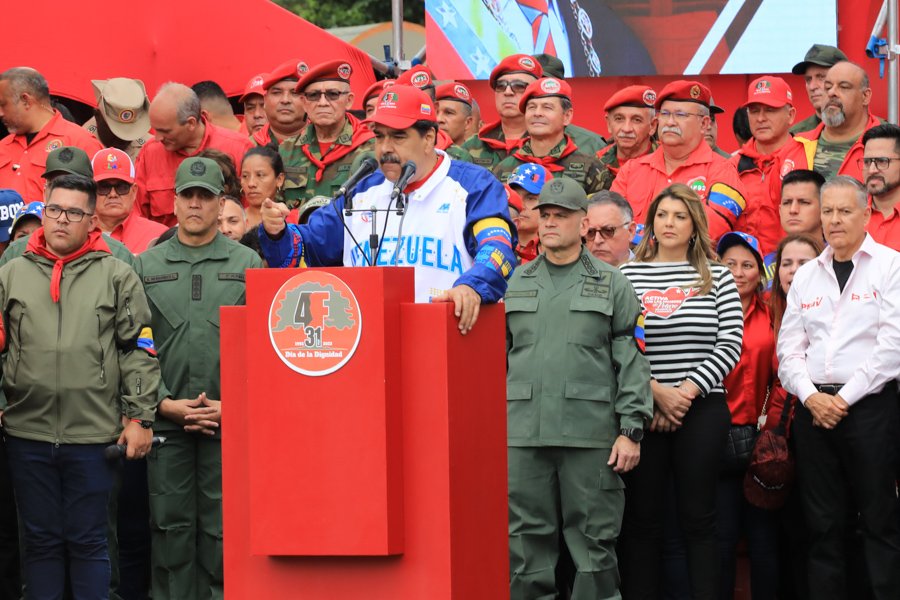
point(175, 115)
point(24, 100)
point(848, 93)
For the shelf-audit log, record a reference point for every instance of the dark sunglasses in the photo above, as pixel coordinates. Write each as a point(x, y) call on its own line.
point(104, 188)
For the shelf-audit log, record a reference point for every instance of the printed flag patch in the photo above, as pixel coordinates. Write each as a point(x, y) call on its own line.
point(145, 341)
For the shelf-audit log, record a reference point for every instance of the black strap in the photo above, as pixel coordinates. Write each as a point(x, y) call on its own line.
point(785, 415)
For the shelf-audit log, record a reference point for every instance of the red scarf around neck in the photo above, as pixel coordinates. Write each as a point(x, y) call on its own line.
point(37, 244)
point(338, 151)
point(549, 161)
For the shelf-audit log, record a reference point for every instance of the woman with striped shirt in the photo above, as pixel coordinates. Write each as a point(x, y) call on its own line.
point(693, 325)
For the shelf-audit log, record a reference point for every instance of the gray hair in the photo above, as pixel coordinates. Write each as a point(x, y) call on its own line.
point(186, 100)
point(847, 182)
point(25, 80)
point(607, 197)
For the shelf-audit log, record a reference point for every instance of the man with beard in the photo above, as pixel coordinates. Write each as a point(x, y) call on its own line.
point(813, 68)
point(631, 120)
point(881, 169)
point(121, 119)
point(845, 117)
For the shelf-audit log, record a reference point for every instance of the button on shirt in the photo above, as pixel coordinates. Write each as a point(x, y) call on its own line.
point(850, 337)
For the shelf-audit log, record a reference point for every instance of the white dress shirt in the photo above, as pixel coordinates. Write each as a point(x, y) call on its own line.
point(850, 337)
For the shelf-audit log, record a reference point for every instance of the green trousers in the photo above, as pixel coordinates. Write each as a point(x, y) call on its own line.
point(572, 490)
point(185, 481)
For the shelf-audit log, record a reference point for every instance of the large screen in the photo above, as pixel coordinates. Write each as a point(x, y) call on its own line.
point(596, 38)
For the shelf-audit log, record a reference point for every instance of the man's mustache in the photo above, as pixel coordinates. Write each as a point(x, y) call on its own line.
point(389, 158)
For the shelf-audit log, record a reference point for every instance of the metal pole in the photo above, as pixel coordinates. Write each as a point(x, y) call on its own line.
point(397, 22)
point(893, 66)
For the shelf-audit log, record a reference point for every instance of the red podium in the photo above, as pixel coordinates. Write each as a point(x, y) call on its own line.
point(364, 442)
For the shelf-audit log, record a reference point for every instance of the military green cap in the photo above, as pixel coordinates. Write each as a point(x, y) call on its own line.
point(199, 172)
point(69, 159)
point(564, 192)
point(553, 67)
point(821, 55)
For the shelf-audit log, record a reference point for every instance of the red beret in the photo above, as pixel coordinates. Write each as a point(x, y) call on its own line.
point(254, 86)
point(376, 88)
point(453, 91)
point(771, 91)
point(684, 91)
point(516, 63)
point(544, 87)
point(419, 77)
point(333, 70)
point(402, 105)
point(292, 69)
point(639, 96)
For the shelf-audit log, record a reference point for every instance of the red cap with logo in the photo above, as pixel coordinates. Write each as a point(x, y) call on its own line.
point(419, 76)
point(292, 69)
point(112, 163)
point(516, 63)
point(542, 88)
point(684, 91)
point(771, 91)
point(254, 86)
point(639, 96)
point(453, 91)
point(333, 70)
point(376, 88)
point(402, 105)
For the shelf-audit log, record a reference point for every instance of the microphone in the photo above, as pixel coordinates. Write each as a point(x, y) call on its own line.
point(409, 169)
point(366, 167)
point(117, 451)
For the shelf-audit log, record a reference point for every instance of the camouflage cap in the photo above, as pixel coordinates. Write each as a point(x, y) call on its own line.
point(553, 67)
point(564, 192)
point(820, 55)
point(69, 159)
point(199, 172)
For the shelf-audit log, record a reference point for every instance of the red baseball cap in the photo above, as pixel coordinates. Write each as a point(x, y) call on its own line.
point(453, 91)
point(254, 86)
point(376, 88)
point(112, 163)
point(419, 76)
point(516, 63)
point(292, 69)
point(544, 87)
point(639, 96)
point(684, 90)
point(402, 105)
point(771, 91)
point(333, 70)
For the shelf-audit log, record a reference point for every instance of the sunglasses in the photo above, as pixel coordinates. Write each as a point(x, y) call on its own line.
point(607, 233)
point(104, 188)
point(518, 86)
point(330, 95)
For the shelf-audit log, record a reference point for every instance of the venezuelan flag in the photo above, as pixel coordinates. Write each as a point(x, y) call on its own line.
point(727, 197)
point(639, 334)
point(145, 341)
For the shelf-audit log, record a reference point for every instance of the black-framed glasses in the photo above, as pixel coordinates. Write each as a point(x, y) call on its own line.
point(104, 188)
point(881, 162)
point(330, 95)
point(518, 86)
point(607, 232)
point(73, 215)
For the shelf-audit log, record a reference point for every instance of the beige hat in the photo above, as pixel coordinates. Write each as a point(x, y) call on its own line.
point(124, 105)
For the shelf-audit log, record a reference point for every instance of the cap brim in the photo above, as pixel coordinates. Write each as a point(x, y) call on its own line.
point(559, 204)
point(535, 189)
point(801, 67)
point(199, 184)
point(68, 172)
point(731, 239)
point(392, 121)
point(771, 103)
point(260, 93)
point(113, 175)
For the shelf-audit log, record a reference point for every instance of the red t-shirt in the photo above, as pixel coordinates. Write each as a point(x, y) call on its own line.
point(136, 232)
point(885, 230)
point(746, 384)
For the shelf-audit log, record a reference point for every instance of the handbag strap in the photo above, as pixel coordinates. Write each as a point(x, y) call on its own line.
point(785, 414)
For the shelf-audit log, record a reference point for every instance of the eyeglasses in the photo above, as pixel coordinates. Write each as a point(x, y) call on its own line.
point(330, 95)
point(518, 86)
point(73, 215)
point(122, 188)
point(607, 233)
point(881, 162)
point(679, 115)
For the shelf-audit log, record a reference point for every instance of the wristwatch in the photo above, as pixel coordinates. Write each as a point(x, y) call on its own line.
point(635, 434)
point(144, 424)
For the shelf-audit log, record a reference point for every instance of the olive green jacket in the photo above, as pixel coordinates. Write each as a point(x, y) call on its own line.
point(575, 372)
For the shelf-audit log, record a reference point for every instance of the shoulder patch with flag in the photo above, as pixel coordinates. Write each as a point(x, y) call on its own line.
point(639, 334)
point(726, 201)
point(145, 341)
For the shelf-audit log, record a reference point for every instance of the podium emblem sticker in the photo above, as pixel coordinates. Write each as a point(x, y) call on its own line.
point(315, 323)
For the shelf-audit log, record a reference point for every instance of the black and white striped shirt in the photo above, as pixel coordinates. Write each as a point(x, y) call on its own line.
point(688, 336)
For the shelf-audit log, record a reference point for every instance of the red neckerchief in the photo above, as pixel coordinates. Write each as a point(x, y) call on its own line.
point(768, 164)
point(444, 141)
point(529, 251)
point(338, 151)
point(37, 244)
point(417, 184)
point(550, 162)
point(495, 143)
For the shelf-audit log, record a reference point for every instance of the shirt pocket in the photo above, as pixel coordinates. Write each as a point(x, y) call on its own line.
point(521, 410)
point(521, 319)
point(589, 321)
point(160, 193)
point(588, 412)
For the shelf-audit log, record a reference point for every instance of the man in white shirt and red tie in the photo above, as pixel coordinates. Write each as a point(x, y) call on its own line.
point(839, 353)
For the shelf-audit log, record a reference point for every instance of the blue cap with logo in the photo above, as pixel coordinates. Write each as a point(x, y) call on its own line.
point(530, 177)
point(10, 202)
point(32, 209)
point(733, 238)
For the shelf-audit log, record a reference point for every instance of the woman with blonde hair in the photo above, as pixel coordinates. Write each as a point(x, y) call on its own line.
point(692, 329)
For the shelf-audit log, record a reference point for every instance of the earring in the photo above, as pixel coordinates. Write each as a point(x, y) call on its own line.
point(693, 240)
point(653, 237)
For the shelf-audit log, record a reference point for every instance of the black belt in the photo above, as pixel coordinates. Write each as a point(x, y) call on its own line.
point(829, 388)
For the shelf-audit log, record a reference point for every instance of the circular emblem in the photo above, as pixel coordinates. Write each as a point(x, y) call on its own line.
point(649, 97)
point(420, 80)
point(584, 23)
point(302, 68)
point(557, 186)
point(698, 185)
point(257, 82)
point(54, 145)
point(695, 92)
point(65, 155)
point(198, 169)
point(461, 92)
point(126, 116)
point(344, 71)
point(526, 62)
point(315, 323)
point(786, 167)
point(550, 85)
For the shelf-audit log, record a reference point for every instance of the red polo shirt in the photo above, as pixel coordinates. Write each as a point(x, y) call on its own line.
point(22, 164)
point(885, 230)
point(136, 232)
point(642, 178)
point(156, 166)
point(746, 384)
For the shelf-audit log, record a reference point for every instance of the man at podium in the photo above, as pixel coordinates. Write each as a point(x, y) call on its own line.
point(454, 228)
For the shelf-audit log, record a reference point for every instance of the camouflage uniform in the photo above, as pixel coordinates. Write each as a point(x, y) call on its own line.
point(609, 162)
point(583, 168)
point(487, 156)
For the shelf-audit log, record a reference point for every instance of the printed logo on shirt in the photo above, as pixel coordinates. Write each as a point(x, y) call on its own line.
point(444, 208)
point(315, 323)
point(864, 297)
point(698, 184)
point(664, 304)
point(814, 304)
point(54, 145)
